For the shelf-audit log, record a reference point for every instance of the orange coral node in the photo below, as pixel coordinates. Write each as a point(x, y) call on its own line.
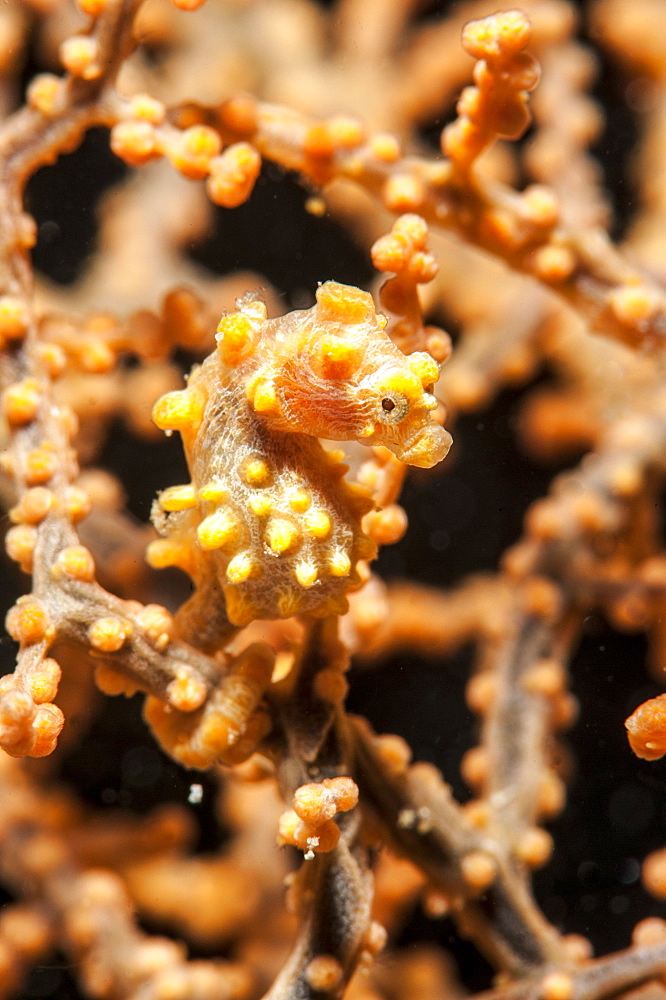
point(233, 175)
point(28, 621)
point(14, 317)
point(135, 142)
point(21, 402)
point(646, 729)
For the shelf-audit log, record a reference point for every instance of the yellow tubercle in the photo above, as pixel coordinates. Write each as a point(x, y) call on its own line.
point(256, 472)
point(263, 397)
point(28, 622)
point(235, 335)
point(339, 563)
point(317, 523)
point(260, 505)
point(306, 573)
point(281, 535)
point(241, 568)
point(344, 304)
point(216, 530)
point(399, 382)
point(338, 359)
point(299, 499)
point(213, 491)
point(181, 410)
point(178, 498)
point(423, 367)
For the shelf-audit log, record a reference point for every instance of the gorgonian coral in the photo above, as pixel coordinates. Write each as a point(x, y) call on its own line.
point(298, 422)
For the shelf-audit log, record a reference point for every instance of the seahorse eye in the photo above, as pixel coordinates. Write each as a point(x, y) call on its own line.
point(394, 407)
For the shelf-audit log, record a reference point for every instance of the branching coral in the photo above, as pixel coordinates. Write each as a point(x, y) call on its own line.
point(298, 425)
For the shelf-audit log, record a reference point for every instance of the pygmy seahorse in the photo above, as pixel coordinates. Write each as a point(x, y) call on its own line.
point(268, 518)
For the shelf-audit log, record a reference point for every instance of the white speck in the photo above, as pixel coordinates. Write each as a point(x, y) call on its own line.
point(424, 824)
point(196, 794)
point(407, 819)
point(312, 842)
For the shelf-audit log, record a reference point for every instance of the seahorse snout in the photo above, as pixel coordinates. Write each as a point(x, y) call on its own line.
point(428, 447)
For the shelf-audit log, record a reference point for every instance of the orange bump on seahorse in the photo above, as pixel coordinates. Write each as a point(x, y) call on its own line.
point(268, 510)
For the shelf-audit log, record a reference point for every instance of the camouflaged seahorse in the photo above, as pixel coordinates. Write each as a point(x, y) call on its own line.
point(268, 512)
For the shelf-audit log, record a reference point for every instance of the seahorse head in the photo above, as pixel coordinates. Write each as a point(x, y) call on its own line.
point(332, 372)
point(399, 410)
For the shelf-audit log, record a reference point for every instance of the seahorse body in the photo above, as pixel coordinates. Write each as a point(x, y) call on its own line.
point(268, 508)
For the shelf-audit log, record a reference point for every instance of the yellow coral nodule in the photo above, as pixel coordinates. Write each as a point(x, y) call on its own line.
point(281, 535)
point(256, 472)
point(306, 573)
point(339, 563)
point(424, 367)
point(214, 491)
point(344, 303)
point(241, 568)
point(260, 505)
point(178, 498)
point(181, 410)
point(299, 499)
point(235, 334)
point(217, 530)
point(317, 523)
point(263, 397)
point(337, 358)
